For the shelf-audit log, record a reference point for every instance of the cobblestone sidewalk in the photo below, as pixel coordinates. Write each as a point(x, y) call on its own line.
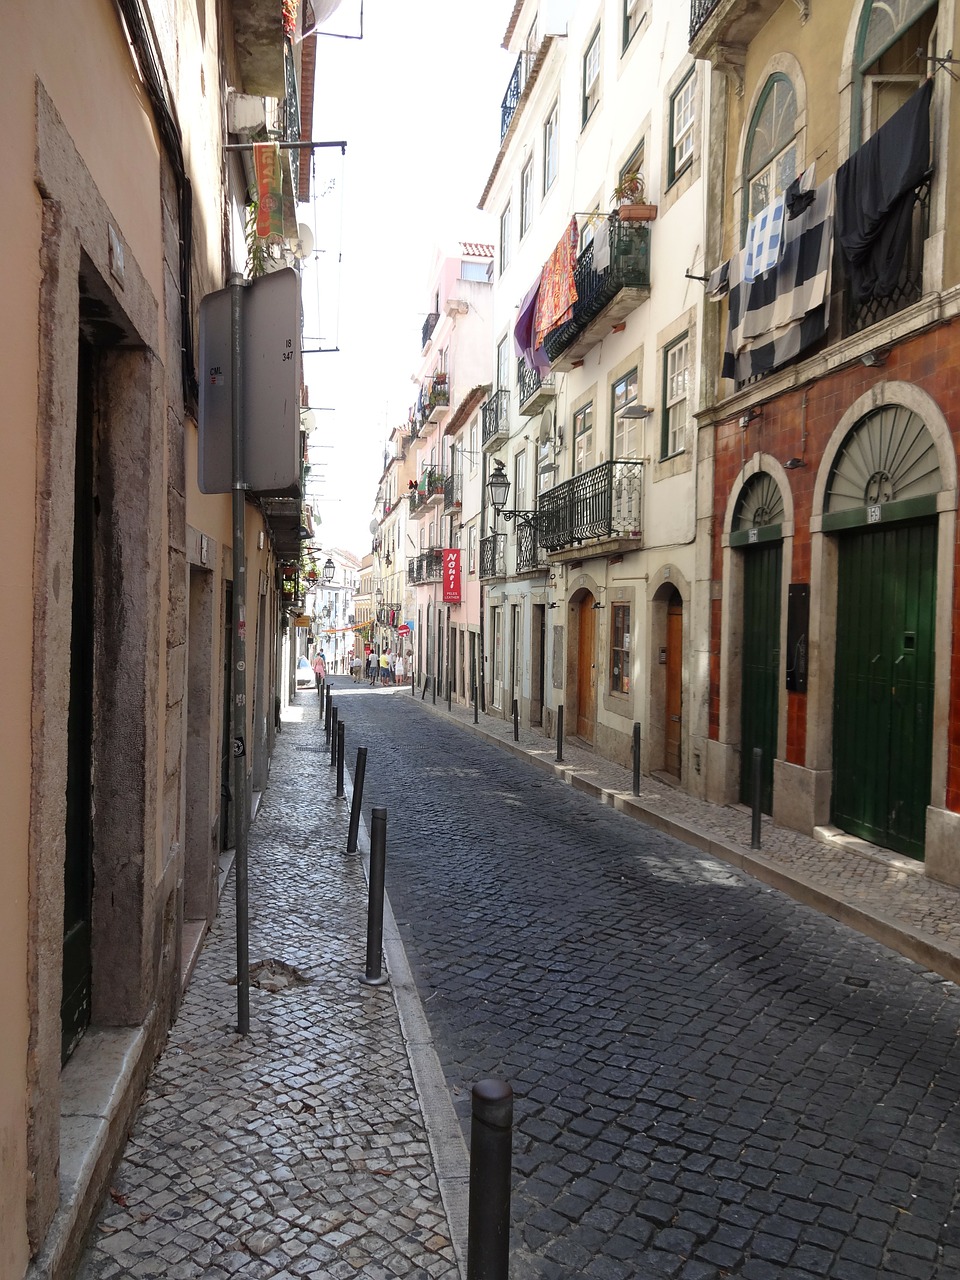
point(299, 1150)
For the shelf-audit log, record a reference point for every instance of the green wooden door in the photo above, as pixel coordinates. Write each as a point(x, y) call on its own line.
point(759, 700)
point(883, 689)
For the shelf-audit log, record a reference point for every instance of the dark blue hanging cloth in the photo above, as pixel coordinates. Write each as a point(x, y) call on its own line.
point(876, 192)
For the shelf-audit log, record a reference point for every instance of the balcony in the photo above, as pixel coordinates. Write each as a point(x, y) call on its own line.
point(604, 502)
point(528, 547)
point(511, 99)
point(426, 567)
point(604, 297)
point(909, 287)
point(496, 420)
point(426, 333)
point(260, 47)
point(721, 30)
point(453, 491)
point(436, 400)
point(536, 391)
point(493, 556)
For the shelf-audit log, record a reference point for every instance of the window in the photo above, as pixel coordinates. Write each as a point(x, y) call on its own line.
point(620, 648)
point(503, 365)
point(474, 443)
point(676, 382)
point(771, 159)
point(472, 549)
point(505, 238)
point(551, 147)
point(894, 43)
point(634, 12)
point(591, 77)
point(583, 439)
point(624, 430)
point(682, 113)
point(526, 197)
point(474, 271)
point(520, 480)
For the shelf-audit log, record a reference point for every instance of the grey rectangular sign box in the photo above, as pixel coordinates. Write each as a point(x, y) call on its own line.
point(270, 356)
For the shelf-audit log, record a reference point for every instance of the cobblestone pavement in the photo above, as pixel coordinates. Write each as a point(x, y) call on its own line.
point(711, 1079)
point(299, 1150)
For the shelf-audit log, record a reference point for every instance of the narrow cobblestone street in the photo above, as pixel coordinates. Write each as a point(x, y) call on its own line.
point(711, 1079)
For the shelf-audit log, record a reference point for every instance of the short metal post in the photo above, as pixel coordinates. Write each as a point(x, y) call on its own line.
point(423, 692)
point(373, 976)
point(636, 759)
point(327, 709)
point(334, 715)
point(449, 694)
point(341, 733)
point(353, 830)
point(476, 705)
point(757, 772)
point(433, 689)
point(488, 1214)
point(560, 734)
point(516, 720)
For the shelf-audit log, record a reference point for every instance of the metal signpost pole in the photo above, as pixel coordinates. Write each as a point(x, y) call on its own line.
point(241, 807)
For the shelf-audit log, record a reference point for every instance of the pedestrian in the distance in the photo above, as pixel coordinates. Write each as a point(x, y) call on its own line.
point(398, 669)
point(319, 669)
point(385, 667)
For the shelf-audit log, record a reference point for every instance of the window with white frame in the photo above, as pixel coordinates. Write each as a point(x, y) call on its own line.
point(520, 480)
point(526, 197)
point(551, 147)
point(583, 439)
point(503, 364)
point(474, 443)
point(683, 109)
point(591, 77)
point(505, 219)
point(634, 12)
point(676, 385)
point(624, 430)
point(472, 549)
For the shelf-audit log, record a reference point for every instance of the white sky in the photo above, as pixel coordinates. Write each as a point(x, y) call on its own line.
point(418, 103)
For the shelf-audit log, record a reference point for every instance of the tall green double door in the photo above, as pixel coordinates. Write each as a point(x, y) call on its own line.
point(883, 679)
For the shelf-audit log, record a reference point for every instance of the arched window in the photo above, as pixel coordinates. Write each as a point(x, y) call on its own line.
point(771, 160)
point(893, 42)
point(760, 505)
point(889, 456)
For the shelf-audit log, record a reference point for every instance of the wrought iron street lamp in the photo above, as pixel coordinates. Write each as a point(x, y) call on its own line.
point(329, 569)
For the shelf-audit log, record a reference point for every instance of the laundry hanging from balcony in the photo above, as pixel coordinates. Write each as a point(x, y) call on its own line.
point(876, 193)
point(782, 312)
point(558, 292)
point(536, 358)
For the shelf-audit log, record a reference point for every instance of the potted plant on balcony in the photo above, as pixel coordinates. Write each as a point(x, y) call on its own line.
point(628, 195)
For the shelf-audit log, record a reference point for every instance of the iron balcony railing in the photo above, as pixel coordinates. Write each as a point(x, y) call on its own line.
point(603, 502)
point(700, 11)
point(493, 556)
point(428, 327)
point(496, 416)
point(528, 546)
point(629, 268)
point(511, 99)
point(426, 567)
point(453, 491)
point(909, 287)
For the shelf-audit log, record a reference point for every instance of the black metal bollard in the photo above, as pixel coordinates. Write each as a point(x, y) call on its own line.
point(334, 714)
point(516, 720)
point(353, 830)
point(423, 693)
point(341, 735)
point(636, 759)
point(757, 785)
point(327, 709)
point(433, 689)
point(476, 705)
point(560, 734)
point(373, 976)
point(449, 694)
point(488, 1215)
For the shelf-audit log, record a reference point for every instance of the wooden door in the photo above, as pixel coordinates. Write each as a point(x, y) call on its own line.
point(673, 709)
point(586, 671)
point(883, 684)
point(78, 848)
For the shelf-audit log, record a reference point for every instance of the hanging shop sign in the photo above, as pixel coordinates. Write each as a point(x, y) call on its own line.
point(451, 576)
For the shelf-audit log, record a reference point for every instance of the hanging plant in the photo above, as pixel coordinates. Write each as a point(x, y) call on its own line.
point(289, 18)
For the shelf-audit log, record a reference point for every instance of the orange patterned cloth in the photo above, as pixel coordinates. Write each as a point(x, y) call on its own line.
point(558, 293)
